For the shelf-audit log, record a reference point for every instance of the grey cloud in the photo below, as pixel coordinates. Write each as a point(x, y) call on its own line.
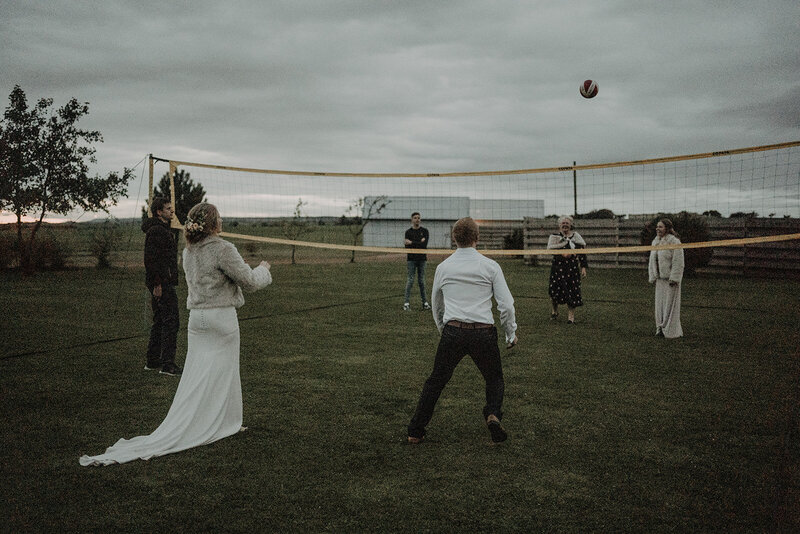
point(413, 86)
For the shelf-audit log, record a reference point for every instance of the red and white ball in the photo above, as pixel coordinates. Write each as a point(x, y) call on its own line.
point(589, 89)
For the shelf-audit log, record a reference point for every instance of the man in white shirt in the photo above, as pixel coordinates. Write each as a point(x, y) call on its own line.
point(463, 287)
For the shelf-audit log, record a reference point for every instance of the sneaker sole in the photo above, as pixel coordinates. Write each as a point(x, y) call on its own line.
point(498, 434)
point(168, 373)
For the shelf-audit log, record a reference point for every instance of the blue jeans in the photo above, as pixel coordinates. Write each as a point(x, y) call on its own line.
point(419, 267)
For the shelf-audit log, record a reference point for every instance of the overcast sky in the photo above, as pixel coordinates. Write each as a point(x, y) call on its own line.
point(410, 86)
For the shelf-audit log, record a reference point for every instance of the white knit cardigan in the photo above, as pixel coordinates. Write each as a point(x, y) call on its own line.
point(216, 274)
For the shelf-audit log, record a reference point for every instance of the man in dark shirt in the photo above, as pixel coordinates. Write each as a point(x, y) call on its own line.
point(416, 237)
point(161, 277)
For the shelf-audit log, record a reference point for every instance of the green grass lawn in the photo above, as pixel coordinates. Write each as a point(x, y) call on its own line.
point(612, 429)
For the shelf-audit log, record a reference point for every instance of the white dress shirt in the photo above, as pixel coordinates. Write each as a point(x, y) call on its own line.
point(463, 287)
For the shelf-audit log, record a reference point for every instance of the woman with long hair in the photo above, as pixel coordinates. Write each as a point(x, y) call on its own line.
point(665, 269)
point(208, 402)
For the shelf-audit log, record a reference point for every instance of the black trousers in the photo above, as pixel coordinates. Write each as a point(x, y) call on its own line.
point(164, 332)
point(481, 345)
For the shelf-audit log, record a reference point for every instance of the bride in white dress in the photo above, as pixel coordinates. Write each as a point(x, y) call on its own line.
point(208, 402)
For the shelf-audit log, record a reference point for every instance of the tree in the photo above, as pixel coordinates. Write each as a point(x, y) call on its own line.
point(743, 215)
point(712, 213)
point(297, 226)
point(363, 209)
point(44, 165)
point(597, 214)
point(187, 194)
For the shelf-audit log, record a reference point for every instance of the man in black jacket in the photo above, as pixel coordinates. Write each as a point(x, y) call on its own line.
point(416, 237)
point(161, 272)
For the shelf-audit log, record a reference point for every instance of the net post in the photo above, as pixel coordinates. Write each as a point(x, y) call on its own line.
point(150, 186)
point(173, 169)
point(575, 188)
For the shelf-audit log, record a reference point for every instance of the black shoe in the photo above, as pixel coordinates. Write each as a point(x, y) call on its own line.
point(553, 316)
point(152, 366)
point(499, 435)
point(416, 436)
point(171, 369)
point(570, 321)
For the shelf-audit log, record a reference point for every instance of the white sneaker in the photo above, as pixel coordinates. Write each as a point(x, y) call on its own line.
point(426, 306)
point(406, 307)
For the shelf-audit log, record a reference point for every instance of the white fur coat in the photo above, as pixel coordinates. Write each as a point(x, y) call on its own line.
point(216, 274)
point(666, 264)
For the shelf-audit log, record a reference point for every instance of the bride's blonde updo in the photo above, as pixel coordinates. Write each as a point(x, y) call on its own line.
point(202, 221)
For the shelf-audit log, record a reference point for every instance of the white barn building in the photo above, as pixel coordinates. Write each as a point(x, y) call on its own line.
point(387, 229)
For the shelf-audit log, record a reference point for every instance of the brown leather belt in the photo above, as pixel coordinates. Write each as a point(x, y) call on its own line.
point(459, 324)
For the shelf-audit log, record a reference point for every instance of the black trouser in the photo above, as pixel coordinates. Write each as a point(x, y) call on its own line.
point(164, 332)
point(481, 345)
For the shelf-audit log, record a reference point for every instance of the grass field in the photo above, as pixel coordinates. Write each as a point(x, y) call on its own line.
point(612, 429)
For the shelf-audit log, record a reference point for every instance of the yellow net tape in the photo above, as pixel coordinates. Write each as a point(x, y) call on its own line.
point(762, 148)
point(526, 252)
point(174, 164)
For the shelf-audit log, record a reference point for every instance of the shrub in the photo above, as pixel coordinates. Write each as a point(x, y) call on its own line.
point(515, 240)
point(104, 242)
point(51, 249)
point(348, 221)
point(251, 247)
point(597, 214)
point(691, 228)
point(741, 214)
point(8, 249)
point(50, 253)
point(712, 213)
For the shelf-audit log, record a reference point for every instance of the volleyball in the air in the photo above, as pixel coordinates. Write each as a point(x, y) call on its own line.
point(589, 89)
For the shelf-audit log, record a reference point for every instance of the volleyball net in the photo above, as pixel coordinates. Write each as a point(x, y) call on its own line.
point(369, 212)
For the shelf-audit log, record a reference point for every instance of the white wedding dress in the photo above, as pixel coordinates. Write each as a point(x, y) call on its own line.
point(208, 402)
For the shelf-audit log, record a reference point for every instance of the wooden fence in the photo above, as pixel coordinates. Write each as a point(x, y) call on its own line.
point(770, 259)
point(493, 233)
point(763, 259)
